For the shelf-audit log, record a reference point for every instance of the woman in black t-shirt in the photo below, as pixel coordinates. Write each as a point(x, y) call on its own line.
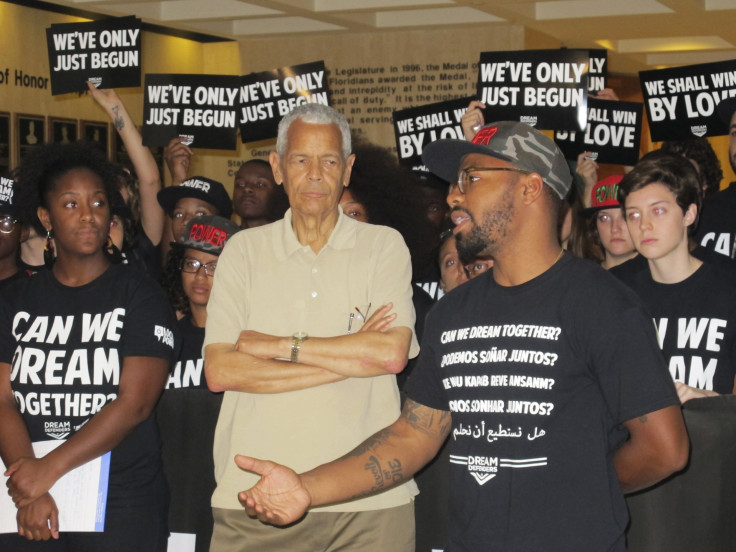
point(693, 303)
point(85, 349)
point(187, 411)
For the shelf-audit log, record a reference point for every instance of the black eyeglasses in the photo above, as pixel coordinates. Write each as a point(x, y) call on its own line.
point(465, 178)
point(192, 266)
point(8, 224)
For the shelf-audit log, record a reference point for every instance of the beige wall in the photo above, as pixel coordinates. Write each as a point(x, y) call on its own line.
point(23, 50)
point(425, 55)
point(432, 55)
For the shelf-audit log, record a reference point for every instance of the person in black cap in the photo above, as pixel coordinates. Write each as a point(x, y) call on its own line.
point(187, 411)
point(550, 419)
point(12, 233)
point(195, 197)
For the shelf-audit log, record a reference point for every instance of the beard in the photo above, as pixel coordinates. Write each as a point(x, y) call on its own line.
point(484, 239)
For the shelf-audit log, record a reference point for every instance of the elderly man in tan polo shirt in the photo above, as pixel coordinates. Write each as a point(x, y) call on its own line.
point(309, 319)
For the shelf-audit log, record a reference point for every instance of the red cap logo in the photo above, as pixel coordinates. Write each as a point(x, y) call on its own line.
point(484, 136)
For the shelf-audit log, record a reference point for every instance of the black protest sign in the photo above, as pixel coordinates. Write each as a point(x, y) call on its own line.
point(681, 102)
point(567, 141)
point(613, 134)
point(598, 70)
point(106, 53)
point(544, 88)
point(418, 126)
point(267, 96)
point(202, 108)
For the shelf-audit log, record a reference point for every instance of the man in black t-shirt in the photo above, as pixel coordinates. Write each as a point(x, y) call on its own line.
point(550, 418)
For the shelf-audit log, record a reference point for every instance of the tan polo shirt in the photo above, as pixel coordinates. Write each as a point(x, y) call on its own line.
point(267, 281)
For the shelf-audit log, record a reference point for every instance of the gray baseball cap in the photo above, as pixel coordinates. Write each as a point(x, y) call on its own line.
point(207, 234)
point(511, 141)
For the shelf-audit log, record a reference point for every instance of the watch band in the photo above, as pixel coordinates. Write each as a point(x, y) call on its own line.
point(296, 344)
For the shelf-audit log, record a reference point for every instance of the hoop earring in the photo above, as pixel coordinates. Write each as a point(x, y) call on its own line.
point(49, 255)
point(112, 252)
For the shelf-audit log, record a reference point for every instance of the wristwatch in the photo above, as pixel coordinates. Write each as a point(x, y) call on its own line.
point(296, 344)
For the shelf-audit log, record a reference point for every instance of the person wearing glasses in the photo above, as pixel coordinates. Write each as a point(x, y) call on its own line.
point(309, 320)
point(12, 233)
point(187, 411)
point(550, 418)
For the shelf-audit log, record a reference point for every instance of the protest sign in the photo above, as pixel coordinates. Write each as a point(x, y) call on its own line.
point(105, 52)
point(681, 102)
point(597, 70)
point(544, 88)
point(203, 108)
point(613, 133)
point(267, 96)
point(418, 126)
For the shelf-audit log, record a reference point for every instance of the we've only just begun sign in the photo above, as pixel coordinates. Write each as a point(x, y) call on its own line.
point(612, 135)
point(546, 89)
point(418, 126)
point(682, 102)
point(201, 108)
point(597, 70)
point(267, 96)
point(106, 53)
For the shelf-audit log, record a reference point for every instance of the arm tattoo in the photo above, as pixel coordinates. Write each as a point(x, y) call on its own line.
point(370, 444)
point(118, 120)
point(386, 476)
point(435, 423)
point(432, 423)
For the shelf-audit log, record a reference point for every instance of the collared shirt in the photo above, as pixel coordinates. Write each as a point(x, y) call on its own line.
point(267, 281)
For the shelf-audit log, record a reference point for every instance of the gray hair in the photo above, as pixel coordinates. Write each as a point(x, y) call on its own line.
point(316, 114)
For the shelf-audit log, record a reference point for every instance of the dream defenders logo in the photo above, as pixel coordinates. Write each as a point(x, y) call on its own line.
point(57, 430)
point(485, 468)
point(482, 468)
point(699, 130)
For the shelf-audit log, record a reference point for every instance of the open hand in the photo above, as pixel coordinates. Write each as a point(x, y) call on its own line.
point(279, 498)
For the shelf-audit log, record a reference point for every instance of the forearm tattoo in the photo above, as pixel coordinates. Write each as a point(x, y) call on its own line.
point(384, 476)
point(117, 120)
point(373, 442)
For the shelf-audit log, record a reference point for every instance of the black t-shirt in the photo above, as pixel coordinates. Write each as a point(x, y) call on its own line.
point(629, 269)
point(67, 346)
point(717, 227)
point(696, 325)
point(187, 415)
point(538, 378)
point(21, 274)
point(144, 255)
